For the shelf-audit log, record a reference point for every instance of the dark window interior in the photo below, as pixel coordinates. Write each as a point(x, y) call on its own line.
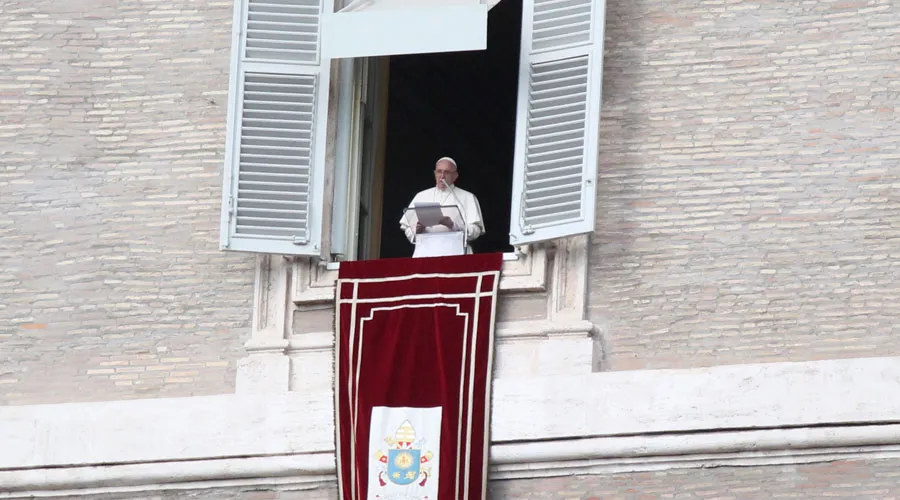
point(463, 105)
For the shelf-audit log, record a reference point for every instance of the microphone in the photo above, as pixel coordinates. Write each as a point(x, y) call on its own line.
point(462, 213)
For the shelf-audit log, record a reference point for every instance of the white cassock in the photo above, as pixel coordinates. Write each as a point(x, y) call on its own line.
point(469, 209)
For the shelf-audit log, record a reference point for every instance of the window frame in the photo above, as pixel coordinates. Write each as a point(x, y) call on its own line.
point(523, 271)
point(329, 124)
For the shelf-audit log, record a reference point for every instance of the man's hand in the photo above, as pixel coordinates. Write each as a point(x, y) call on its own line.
point(419, 228)
point(447, 221)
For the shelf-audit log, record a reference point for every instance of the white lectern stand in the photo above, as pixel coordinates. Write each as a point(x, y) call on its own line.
point(438, 240)
point(440, 244)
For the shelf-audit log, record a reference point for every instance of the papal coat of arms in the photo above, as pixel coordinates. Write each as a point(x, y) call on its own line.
point(405, 462)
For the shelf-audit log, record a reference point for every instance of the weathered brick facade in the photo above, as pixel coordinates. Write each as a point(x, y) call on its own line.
point(749, 156)
point(112, 122)
point(747, 195)
point(747, 211)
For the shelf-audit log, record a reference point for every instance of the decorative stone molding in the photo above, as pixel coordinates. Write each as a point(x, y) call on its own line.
point(586, 424)
point(568, 298)
point(310, 469)
point(525, 270)
point(614, 455)
point(312, 362)
point(542, 348)
point(266, 368)
point(508, 461)
point(555, 342)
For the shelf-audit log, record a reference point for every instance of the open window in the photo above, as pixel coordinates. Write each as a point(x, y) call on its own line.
point(539, 159)
point(420, 107)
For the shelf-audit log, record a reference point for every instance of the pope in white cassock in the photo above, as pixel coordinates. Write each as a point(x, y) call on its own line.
point(445, 193)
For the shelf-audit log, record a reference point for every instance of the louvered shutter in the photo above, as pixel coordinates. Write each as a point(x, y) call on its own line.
point(558, 119)
point(277, 111)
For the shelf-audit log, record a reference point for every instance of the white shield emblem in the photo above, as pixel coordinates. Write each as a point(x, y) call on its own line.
point(404, 448)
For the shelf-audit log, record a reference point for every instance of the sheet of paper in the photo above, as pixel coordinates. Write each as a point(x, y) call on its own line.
point(429, 214)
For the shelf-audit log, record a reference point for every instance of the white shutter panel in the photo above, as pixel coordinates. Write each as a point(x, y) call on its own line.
point(277, 114)
point(558, 119)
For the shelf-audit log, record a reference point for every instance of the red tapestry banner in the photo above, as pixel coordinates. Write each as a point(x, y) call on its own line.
point(413, 358)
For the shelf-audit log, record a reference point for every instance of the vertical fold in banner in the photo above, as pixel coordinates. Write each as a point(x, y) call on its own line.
point(413, 360)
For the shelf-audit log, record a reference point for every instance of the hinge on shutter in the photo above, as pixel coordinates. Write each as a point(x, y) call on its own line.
point(230, 206)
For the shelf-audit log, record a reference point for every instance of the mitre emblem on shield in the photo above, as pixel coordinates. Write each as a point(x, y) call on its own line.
point(405, 461)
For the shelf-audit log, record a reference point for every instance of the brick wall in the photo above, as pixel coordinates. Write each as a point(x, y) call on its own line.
point(748, 204)
point(846, 480)
point(112, 121)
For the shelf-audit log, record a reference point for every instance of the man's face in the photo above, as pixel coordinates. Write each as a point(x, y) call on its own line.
point(444, 170)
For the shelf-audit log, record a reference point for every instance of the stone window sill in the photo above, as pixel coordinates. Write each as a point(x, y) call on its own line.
point(522, 271)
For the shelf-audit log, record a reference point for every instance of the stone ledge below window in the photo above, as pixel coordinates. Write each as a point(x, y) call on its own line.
point(755, 414)
point(522, 271)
